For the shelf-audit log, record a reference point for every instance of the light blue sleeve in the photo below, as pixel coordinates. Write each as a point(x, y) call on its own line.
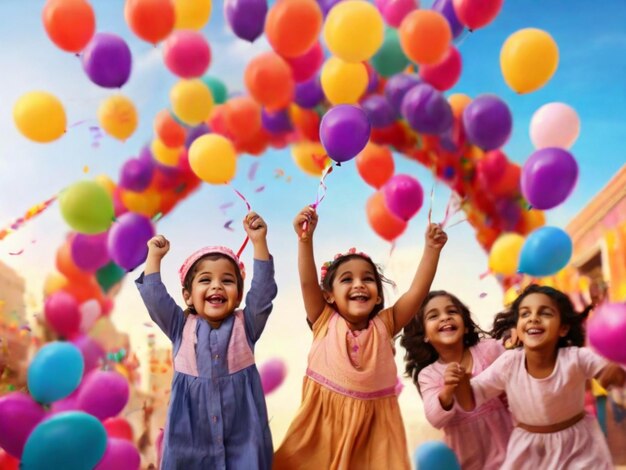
point(162, 308)
point(259, 299)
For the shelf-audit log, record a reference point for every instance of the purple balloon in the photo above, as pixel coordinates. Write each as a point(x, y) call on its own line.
point(327, 5)
point(136, 174)
point(89, 252)
point(379, 111)
point(488, 122)
point(548, 177)
point(127, 240)
point(120, 454)
point(426, 110)
point(309, 94)
point(607, 330)
point(92, 351)
point(276, 122)
point(446, 8)
point(107, 60)
point(509, 212)
point(403, 195)
point(195, 132)
point(398, 86)
point(272, 374)
point(372, 79)
point(246, 17)
point(344, 132)
point(19, 415)
point(103, 394)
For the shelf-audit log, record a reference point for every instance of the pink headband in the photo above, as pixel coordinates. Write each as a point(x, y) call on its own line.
point(222, 250)
point(328, 264)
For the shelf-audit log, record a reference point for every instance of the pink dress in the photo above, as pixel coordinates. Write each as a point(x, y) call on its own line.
point(541, 402)
point(478, 438)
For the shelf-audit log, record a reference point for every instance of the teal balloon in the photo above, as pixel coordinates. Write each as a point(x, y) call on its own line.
point(390, 60)
point(70, 441)
point(217, 87)
point(55, 371)
point(109, 275)
point(433, 455)
point(546, 251)
point(87, 207)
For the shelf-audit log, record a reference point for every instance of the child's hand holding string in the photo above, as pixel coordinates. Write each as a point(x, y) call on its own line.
point(305, 223)
point(255, 227)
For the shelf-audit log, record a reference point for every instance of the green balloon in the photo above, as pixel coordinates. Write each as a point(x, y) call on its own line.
point(390, 59)
point(109, 275)
point(87, 207)
point(217, 87)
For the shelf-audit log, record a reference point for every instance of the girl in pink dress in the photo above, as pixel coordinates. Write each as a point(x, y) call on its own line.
point(545, 384)
point(443, 332)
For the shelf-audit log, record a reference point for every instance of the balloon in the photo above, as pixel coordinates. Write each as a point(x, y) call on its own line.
point(19, 414)
point(86, 207)
point(306, 122)
point(505, 253)
point(344, 132)
point(607, 329)
point(276, 122)
point(444, 74)
point(446, 8)
point(118, 428)
point(146, 203)
point(530, 220)
point(40, 116)
point(548, 177)
point(196, 132)
point(435, 454)
point(375, 164)
point(403, 195)
point(119, 455)
point(372, 78)
point(310, 157)
point(107, 60)
point(55, 371)
point(547, 250)
point(109, 276)
point(54, 282)
point(327, 5)
point(151, 20)
point(425, 36)
point(528, 59)
point(426, 110)
point(91, 351)
point(273, 374)
point(61, 312)
point(70, 24)
point(554, 125)
point(103, 394)
point(89, 252)
point(379, 111)
point(477, 13)
point(309, 94)
point(128, 240)
point(242, 116)
point(7, 461)
point(217, 88)
point(186, 54)
point(213, 159)
point(394, 11)
point(343, 82)
point(458, 103)
point(165, 155)
point(90, 311)
point(383, 222)
point(117, 115)
point(292, 27)
point(192, 14)
point(47, 446)
point(262, 76)
point(398, 86)
point(390, 60)
point(488, 122)
point(305, 66)
point(353, 30)
point(106, 182)
point(136, 174)
point(508, 212)
point(191, 101)
point(246, 17)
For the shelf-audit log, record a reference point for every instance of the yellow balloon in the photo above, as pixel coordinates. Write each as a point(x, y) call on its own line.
point(191, 101)
point(163, 154)
point(310, 157)
point(504, 254)
point(40, 116)
point(118, 117)
point(528, 59)
point(458, 103)
point(213, 158)
point(106, 182)
point(192, 14)
point(54, 282)
point(510, 295)
point(343, 82)
point(145, 203)
point(354, 30)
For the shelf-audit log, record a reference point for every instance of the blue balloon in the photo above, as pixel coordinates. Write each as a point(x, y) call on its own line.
point(72, 441)
point(435, 455)
point(55, 371)
point(546, 251)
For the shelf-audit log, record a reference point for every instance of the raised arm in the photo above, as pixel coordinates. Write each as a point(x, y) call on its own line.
point(304, 224)
point(408, 304)
point(158, 246)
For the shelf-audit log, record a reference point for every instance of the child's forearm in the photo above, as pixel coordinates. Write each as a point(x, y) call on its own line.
point(446, 398)
point(261, 251)
point(465, 396)
point(153, 265)
point(306, 263)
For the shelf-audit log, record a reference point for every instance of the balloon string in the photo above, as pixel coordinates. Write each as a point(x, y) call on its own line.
point(245, 242)
point(321, 194)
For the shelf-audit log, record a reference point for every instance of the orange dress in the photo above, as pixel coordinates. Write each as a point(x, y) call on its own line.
point(349, 417)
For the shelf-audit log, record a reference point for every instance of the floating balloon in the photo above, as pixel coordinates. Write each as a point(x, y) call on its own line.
point(186, 54)
point(344, 132)
point(305, 67)
point(554, 125)
point(444, 74)
point(446, 8)
point(379, 111)
point(292, 27)
point(196, 132)
point(242, 117)
point(128, 240)
point(272, 374)
point(61, 312)
point(390, 59)
point(548, 177)
point(55, 372)
point(192, 14)
point(117, 115)
point(397, 87)
point(403, 195)
point(262, 75)
point(505, 253)
point(477, 13)
point(547, 250)
point(310, 157)
point(191, 101)
point(19, 414)
point(425, 36)
point(217, 87)
point(435, 454)
point(426, 110)
point(109, 276)
point(165, 155)
point(277, 122)
point(375, 164)
point(70, 24)
point(40, 116)
point(607, 329)
point(488, 122)
point(136, 174)
point(86, 207)
point(458, 103)
point(246, 17)
point(118, 428)
point(107, 60)
point(394, 11)
point(151, 20)
point(382, 221)
point(103, 394)
point(213, 159)
point(91, 351)
point(343, 82)
point(119, 455)
point(65, 262)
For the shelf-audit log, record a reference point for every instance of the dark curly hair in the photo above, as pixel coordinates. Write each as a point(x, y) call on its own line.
point(507, 319)
point(420, 354)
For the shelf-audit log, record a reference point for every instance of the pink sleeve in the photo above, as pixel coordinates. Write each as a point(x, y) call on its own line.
point(492, 381)
point(590, 362)
point(431, 384)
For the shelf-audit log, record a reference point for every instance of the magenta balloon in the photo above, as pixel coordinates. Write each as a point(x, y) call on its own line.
point(394, 11)
point(306, 66)
point(19, 415)
point(62, 313)
point(426, 110)
point(272, 373)
point(89, 252)
point(136, 174)
point(246, 17)
point(127, 240)
point(488, 122)
point(186, 53)
point(103, 394)
point(607, 331)
point(65, 404)
point(491, 168)
point(90, 349)
point(344, 132)
point(120, 454)
point(403, 195)
point(548, 177)
point(107, 60)
point(444, 74)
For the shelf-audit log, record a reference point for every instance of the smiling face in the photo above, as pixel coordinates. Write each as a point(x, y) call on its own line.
point(443, 322)
point(539, 322)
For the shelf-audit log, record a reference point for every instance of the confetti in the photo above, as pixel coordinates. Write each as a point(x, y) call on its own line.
point(259, 189)
point(30, 213)
point(278, 173)
point(227, 225)
point(482, 295)
point(252, 171)
point(225, 206)
point(85, 169)
point(16, 253)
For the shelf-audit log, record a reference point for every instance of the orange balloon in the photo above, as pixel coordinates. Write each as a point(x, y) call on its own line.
point(375, 164)
point(70, 24)
point(145, 203)
point(530, 220)
point(458, 103)
point(306, 122)
point(84, 289)
point(255, 145)
point(151, 20)
point(383, 222)
point(425, 36)
point(292, 27)
point(269, 79)
point(54, 282)
point(242, 117)
point(65, 264)
point(169, 131)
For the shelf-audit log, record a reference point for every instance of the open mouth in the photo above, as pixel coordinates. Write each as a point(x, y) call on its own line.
point(216, 299)
point(448, 328)
point(534, 331)
point(359, 297)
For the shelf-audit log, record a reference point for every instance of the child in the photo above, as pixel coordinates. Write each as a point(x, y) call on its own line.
point(349, 417)
point(217, 416)
point(545, 384)
point(443, 332)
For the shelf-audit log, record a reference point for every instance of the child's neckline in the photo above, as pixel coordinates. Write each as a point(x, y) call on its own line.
point(547, 377)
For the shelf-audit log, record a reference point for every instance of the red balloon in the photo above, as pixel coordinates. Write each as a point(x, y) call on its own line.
point(168, 130)
point(375, 165)
point(443, 75)
point(304, 67)
point(70, 24)
point(151, 20)
point(118, 428)
point(384, 223)
point(476, 13)
point(7, 461)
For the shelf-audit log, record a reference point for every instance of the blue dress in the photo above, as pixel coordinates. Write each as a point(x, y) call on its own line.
point(217, 417)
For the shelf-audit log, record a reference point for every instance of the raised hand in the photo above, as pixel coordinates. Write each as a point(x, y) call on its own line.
point(255, 227)
point(158, 246)
point(305, 223)
point(435, 237)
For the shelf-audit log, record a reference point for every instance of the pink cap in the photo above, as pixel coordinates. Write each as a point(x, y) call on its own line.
point(222, 250)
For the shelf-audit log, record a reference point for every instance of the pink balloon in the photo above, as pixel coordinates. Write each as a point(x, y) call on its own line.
point(120, 454)
point(554, 125)
point(90, 311)
point(19, 415)
point(65, 404)
point(403, 196)
point(186, 53)
point(394, 11)
point(61, 312)
point(307, 65)
point(91, 351)
point(272, 373)
point(444, 74)
point(89, 252)
point(606, 329)
point(477, 13)
point(103, 394)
